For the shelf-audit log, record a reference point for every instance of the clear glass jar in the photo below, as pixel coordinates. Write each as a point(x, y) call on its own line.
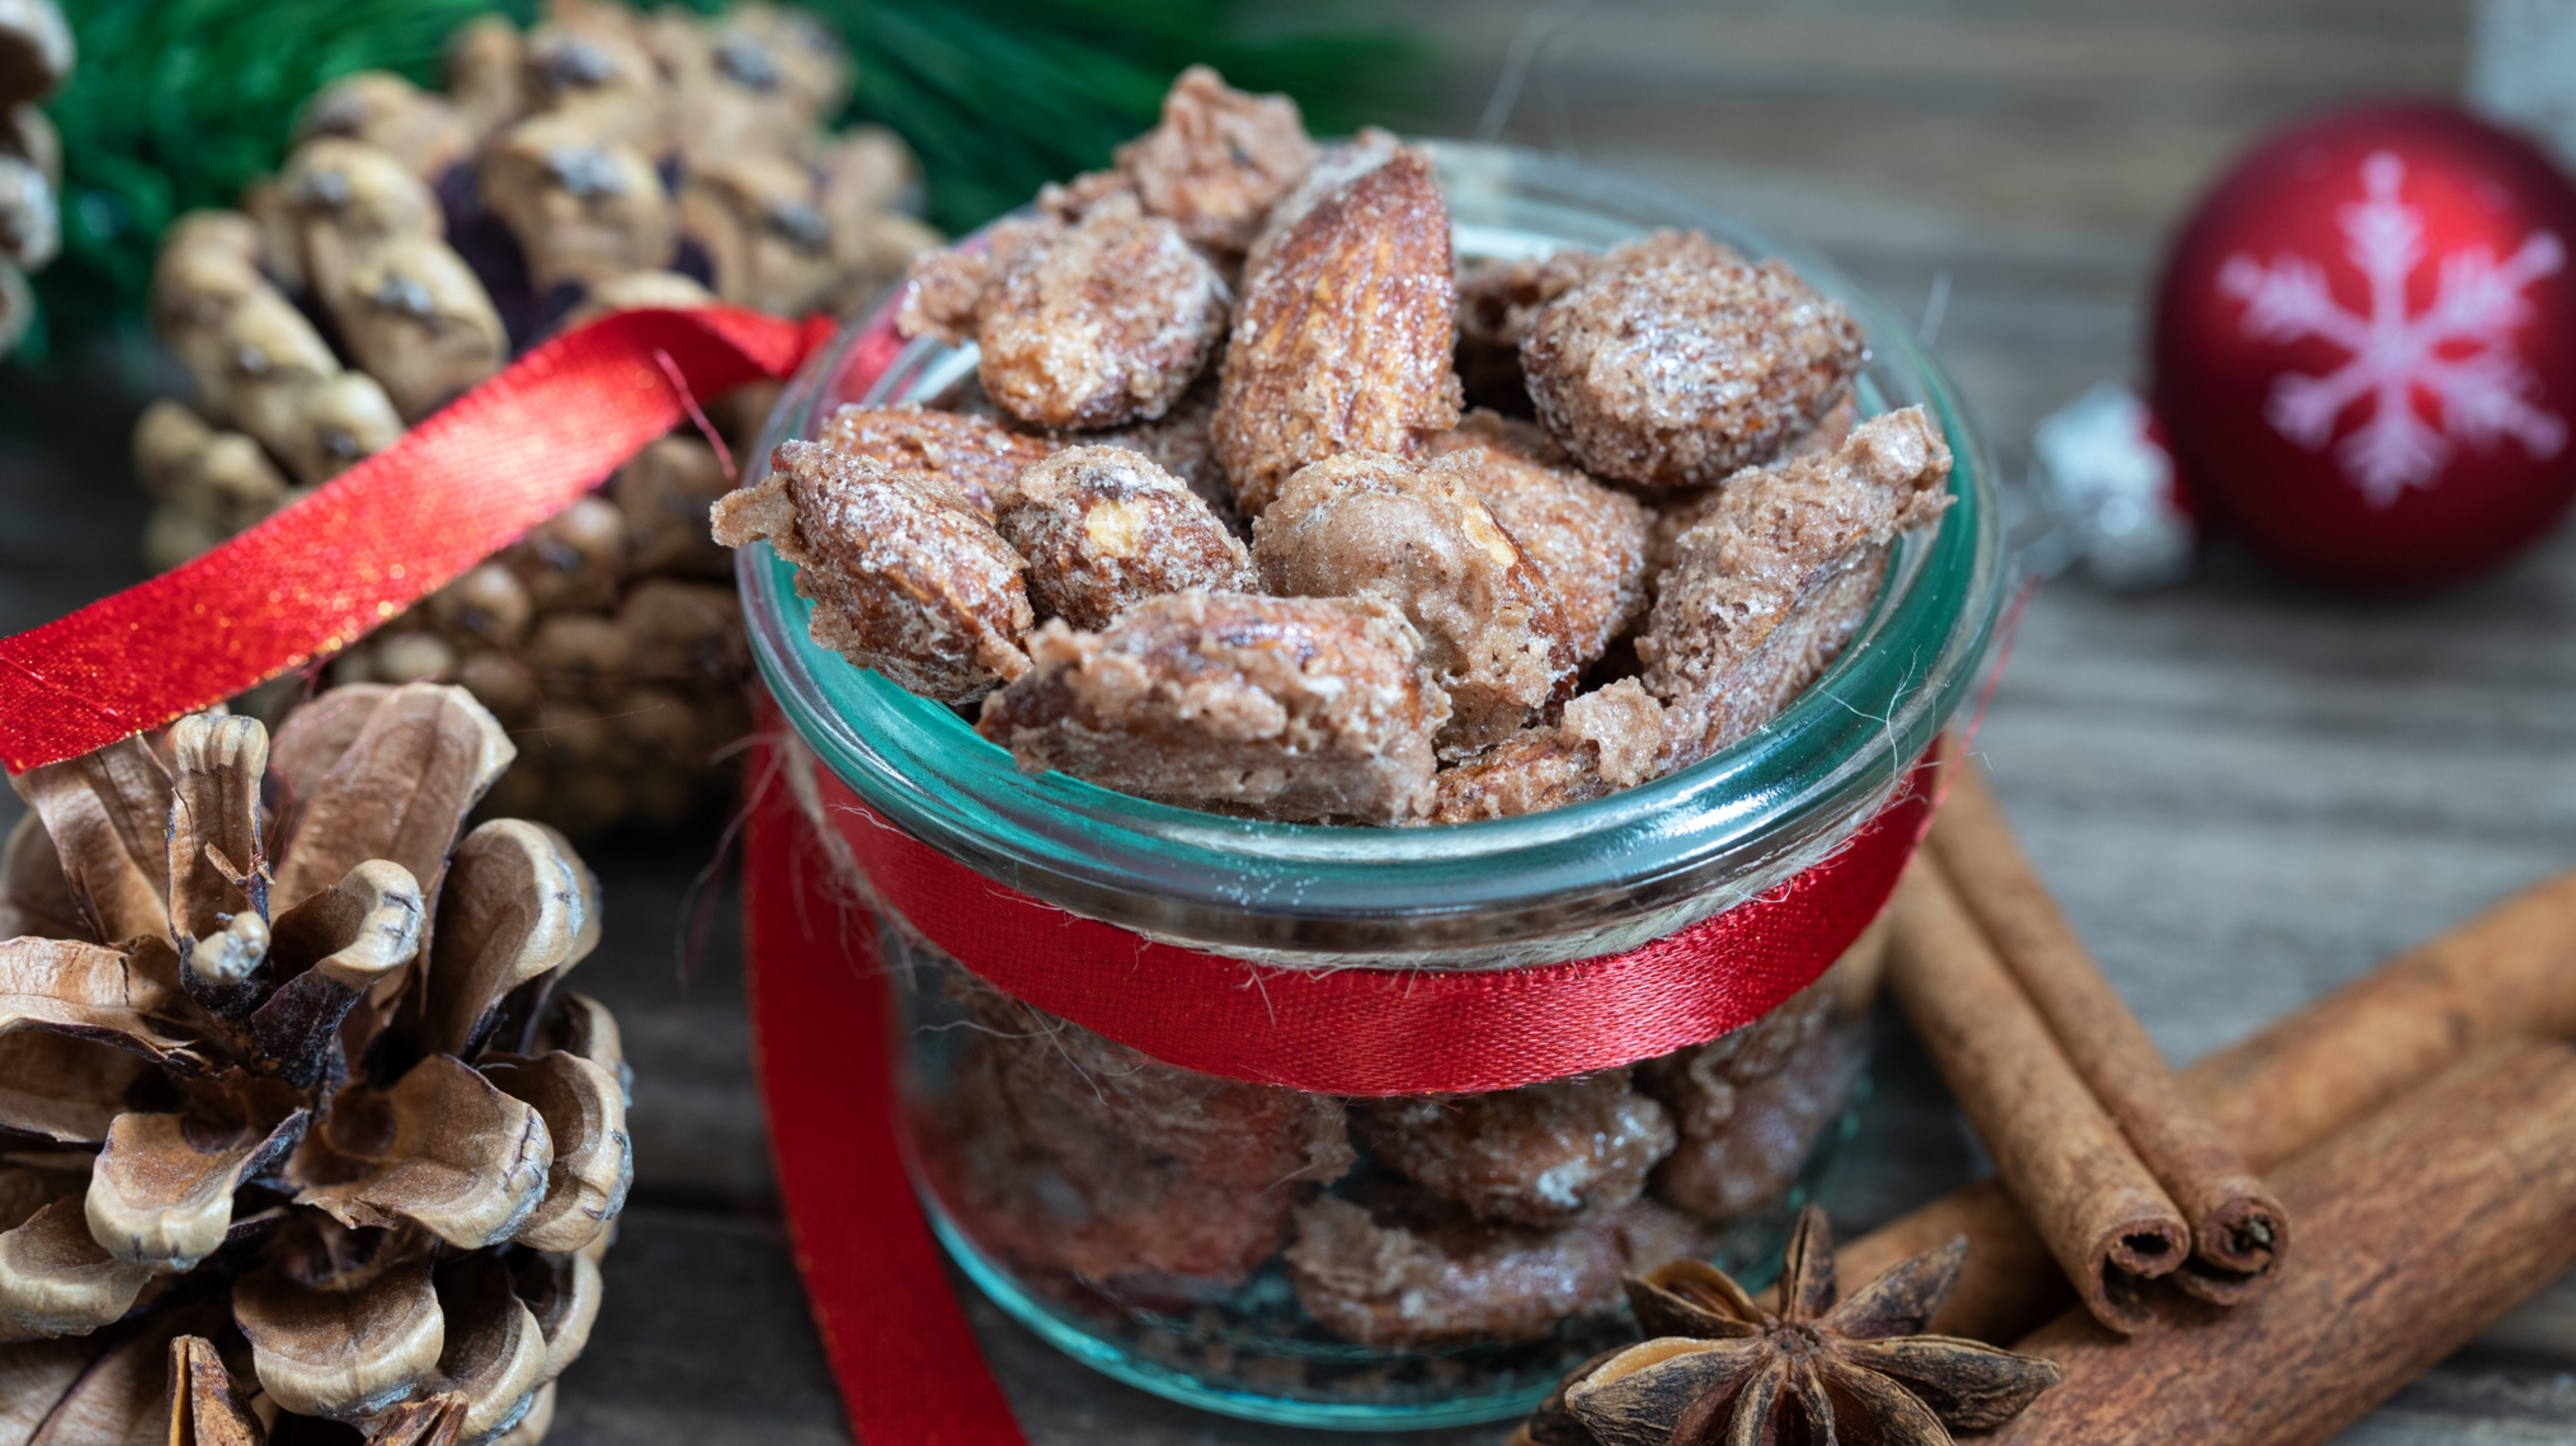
point(1313, 1261)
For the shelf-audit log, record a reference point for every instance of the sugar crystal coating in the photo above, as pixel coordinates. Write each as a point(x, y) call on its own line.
point(1750, 1104)
point(1335, 167)
point(1103, 527)
point(1341, 343)
point(1069, 1151)
point(1091, 324)
point(1676, 361)
point(905, 577)
point(1679, 511)
point(1609, 739)
point(1539, 1155)
point(1370, 525)
point(1179, 443)
point(1587, 541)
point(1291, 708)
point(976, 455)
point(1219, 160)
point(1403, 1277)
point(1765, 590)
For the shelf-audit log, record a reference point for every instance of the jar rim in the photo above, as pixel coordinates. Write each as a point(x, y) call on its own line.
point(1808, 777)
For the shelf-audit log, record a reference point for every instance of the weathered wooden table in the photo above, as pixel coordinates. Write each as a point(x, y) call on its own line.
point(2243, 792)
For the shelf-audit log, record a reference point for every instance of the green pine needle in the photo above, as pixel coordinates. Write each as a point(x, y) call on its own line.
point(180, 103)
point(1001, 96)
point(176, 104)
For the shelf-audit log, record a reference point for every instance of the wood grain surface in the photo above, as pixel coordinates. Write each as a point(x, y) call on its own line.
point(2243, 792)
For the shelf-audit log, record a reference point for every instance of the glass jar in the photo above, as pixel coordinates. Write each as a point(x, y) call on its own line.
point(1421, 1261)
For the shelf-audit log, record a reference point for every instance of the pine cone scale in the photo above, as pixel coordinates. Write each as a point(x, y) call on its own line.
point(338, 1353)
point(63, 1089)
point(54, 1278)
point(108, 812)
point(414, 769)
point(465, 1161)
point(161, 1193)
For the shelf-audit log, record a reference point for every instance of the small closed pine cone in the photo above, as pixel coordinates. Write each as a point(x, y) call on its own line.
point(35, 57)
point(621, 684)
point(300, 1105)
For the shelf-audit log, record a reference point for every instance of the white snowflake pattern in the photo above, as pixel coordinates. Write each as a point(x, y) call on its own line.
point(2459, 350)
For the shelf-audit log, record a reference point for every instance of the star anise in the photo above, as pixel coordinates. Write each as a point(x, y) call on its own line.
point(1718, 1368)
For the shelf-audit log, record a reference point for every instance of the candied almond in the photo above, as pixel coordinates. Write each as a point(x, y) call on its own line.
point(1107, 323)
point(1220, 159)
point(1365, 524)
point(1068, 200)
point(1679, 512)
point(1539, 1154)
point(1052, 1188)
point(1291, 708)
point(1400, 1278)
point(943, 288)
point(905, 576)
point(1335, 167)
point(1341, 343)
point(975, 455)
point(1747, 1127)
point(1588, 541)
point(1609, 739)
point(1090, 323)
point(1765, 590)
point(1172, 1173)
point(1103, 527)
point(1178, 442)
point(1230, 1131)
point(1675, 361)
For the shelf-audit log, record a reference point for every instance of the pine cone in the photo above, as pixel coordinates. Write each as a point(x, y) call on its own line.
point(35, 56)
point(563, 169)
point(307, 1111)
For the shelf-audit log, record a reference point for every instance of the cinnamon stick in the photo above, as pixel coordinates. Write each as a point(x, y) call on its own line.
point(2421, 1224)
point(2102, 1215)
point(2510, 970)
point(2237, 1228)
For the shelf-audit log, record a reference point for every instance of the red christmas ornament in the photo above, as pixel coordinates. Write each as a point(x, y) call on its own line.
point(2365, 347)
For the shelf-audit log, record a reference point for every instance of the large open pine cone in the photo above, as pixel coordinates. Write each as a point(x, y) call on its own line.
point(290, 1096)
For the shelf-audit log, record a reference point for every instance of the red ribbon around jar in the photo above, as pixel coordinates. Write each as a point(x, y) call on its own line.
point(1347, 1031)
point(529, 442)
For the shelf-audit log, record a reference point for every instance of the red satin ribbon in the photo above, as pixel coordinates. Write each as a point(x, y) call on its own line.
point(384, 534)
point(910, 1369)
point(1390, 1031)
